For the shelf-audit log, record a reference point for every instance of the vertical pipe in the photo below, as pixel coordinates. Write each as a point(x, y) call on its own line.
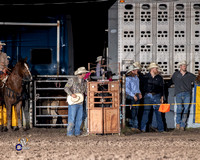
point(58, 47)
point(119, 69)
point(88, 66)
point(31, 106)
point(123, 100)
point(35, 113)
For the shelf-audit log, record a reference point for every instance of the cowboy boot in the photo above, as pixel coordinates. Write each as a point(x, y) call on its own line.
point(178, 126)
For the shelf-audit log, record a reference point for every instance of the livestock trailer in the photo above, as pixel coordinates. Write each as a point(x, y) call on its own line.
point(161, 31)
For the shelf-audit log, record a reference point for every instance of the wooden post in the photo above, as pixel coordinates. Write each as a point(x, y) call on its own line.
point(88, 66)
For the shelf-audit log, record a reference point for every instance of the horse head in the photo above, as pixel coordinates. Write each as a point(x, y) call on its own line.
point(24, 70)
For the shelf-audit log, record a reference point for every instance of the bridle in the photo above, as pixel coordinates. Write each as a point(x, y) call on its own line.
point(26, 66)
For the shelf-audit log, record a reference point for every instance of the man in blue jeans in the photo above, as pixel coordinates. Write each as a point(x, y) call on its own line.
point(75, 111)
point(133, 94)
point(183, 81)
point(153, 94)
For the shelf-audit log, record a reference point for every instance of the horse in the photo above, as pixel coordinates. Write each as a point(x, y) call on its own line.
point(12, 91)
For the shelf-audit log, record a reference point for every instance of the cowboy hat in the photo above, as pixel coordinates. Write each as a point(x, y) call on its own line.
point(80, 70)
point(131, 68)
point(79, 99)
point(137, 64)
point(153, 65)
point(2, 44)
point(99, 58)
point(182, 63)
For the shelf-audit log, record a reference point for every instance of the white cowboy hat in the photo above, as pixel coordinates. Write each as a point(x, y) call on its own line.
point(153, 65)
point(80, 70)
point(2, 44)
point(99, 58)
point(137, 64)
point(79, 99)
point(182, 63)
point(131, 68)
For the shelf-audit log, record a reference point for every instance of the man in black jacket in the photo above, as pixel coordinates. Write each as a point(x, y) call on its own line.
point(153, 95)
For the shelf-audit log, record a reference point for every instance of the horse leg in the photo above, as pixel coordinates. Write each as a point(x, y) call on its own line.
point(8, 110)
point(18, 107)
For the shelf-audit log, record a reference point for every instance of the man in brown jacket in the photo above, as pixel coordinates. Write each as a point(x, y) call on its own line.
point(3, 60)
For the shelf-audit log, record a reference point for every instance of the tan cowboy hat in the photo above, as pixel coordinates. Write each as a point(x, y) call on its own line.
point(80, 70)
point(131, 68)
point(2, 44)
point(182, 63)
point(99, 58)
point(153, 65)
point(79, 99)
point(137, 64)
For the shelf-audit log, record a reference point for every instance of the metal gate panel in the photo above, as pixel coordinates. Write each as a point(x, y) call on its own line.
point(126, 34)
point(180, 27)
point(44, 89)
point(195, 36)
point(162, 34)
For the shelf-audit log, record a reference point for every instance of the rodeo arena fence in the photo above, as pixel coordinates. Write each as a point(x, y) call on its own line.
point(45, 105)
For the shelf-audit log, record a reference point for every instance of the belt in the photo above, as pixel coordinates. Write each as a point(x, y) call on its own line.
point(137, 94)
point(153, 93)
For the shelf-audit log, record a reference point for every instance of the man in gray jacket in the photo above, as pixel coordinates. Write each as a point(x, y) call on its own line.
point(183, 81)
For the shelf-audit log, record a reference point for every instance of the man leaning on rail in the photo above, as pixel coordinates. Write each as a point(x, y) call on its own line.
point(183, 81)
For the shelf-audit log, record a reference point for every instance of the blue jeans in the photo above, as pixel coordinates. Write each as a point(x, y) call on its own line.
point(75, 117)
point(152, 99)
point(182, 109)
point(134, 112)
point(154, 122)
point(85, 113)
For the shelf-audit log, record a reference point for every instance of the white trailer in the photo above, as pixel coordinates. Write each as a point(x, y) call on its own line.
point(161, 31)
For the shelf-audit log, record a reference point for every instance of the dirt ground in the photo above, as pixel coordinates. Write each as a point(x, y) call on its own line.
point(52, 143)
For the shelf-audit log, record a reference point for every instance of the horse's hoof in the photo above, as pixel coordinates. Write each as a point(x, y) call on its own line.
point(21, 129)
point(5, 129)
point(15, 128)
point(1, 128)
